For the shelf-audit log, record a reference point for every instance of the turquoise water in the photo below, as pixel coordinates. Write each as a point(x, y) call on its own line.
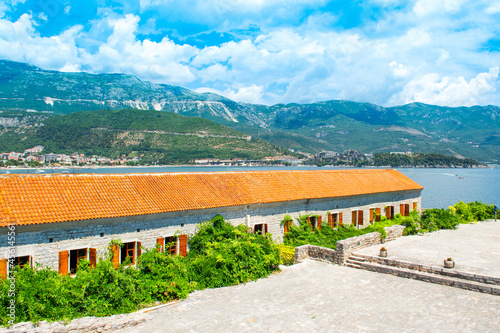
point(442, 187)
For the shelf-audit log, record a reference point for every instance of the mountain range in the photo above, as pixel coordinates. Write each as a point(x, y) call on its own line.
point(335, 125)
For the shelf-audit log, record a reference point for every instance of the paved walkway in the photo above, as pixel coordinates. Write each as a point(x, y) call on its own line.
point(475, 248)
point(320, 297)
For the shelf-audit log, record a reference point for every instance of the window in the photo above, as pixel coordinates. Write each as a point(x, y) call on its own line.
point(389, 212)
point(335, 220)
point(130, 250)
point(22, 261)
point(287, 225)
point(74, 257)
point(357, 217)
point(173, 244)
point(314, 222)
point(404, 209)
point(260, 228)
point(17, 261)
point(415, 206)
point(68, 260)
point(375, 214)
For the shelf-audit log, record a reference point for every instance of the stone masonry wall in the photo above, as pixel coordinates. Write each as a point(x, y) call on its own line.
point(45, 242)
point(346, 246)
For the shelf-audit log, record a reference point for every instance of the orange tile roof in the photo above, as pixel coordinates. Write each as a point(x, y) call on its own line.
point(35, 199)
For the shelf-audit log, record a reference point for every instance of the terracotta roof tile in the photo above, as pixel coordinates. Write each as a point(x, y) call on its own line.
point(35, 199)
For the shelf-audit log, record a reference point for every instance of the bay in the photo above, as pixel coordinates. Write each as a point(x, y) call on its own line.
point(443, 187)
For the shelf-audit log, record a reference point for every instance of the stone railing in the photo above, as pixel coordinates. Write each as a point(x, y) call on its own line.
point(346, 246)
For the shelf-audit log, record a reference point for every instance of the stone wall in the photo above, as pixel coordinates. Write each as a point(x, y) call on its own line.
point(346, 246)
point(44, 241)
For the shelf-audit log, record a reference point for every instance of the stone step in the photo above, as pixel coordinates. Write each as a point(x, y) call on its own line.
point(430, 277)
point(453, 273)
point(354, 261)
point(356, 257)
point(353, 265)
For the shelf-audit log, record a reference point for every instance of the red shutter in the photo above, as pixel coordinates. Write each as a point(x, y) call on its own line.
point(319, 222)
point(92, 257)
point(340, 219)
point(64, 262)
point(139, 250)
point(115, 248)
point(161, 241)
point(360, 217)
point(3, 268)
point(309, 221)
point(183, 245)
point(354, 218)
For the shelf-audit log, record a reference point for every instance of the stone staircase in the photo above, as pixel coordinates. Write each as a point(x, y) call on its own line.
point(432, 274)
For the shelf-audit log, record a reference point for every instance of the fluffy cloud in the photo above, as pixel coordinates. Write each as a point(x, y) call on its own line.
point(433, 52)
point(452, 91)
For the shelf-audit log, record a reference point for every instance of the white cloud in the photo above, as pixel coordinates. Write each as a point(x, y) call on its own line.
point(494, 8)
point(430, 51)
point(427, 7)
point(451, 91)
point(252, 93)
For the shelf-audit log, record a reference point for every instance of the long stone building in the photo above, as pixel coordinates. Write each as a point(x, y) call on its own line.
point(59, 219)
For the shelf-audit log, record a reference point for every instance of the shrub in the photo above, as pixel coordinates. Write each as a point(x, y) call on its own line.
point(220, 255)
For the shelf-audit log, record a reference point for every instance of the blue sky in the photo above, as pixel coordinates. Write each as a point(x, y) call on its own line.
point(386, 52)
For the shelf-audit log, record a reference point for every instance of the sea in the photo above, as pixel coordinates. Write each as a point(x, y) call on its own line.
point(443, 187)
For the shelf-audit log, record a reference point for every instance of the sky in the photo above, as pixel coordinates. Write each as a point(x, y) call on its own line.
point(386, 52)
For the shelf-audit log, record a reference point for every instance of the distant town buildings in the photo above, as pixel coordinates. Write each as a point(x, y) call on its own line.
point(35, 155)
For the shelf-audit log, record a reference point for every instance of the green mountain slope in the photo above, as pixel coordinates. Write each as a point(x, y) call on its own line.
point(332, 125)
point(154, 136)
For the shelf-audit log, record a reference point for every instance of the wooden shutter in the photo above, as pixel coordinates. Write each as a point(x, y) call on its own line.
point(285, 227)
point(319, 222)
point(309, 221)
point(340, 219)
point(3, 268)
point(63, 262)
point(330, 216)
point(183, 245)
point(354, 218)
point(139, 250)
point(372, 212)
point(161, 241)
point(360, 217)
point(388, 214)
point(402, 209)
point(407, 209)
point(265, 228)
point(115, 248)
point(377, 214)
point(415, 206)
point(92, 257)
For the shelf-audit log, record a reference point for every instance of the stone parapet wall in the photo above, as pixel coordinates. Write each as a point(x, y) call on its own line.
point(346, 246)
point(481, 278)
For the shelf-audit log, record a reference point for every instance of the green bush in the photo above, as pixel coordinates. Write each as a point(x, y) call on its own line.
point(220, 255)
point(473, 211)
point(328, 236)
point(435, 219)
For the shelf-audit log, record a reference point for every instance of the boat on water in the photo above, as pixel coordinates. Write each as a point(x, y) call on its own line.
point(39, 171)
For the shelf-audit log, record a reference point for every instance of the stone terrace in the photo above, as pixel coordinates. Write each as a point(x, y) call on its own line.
point(474, 247)
point(319, 297)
